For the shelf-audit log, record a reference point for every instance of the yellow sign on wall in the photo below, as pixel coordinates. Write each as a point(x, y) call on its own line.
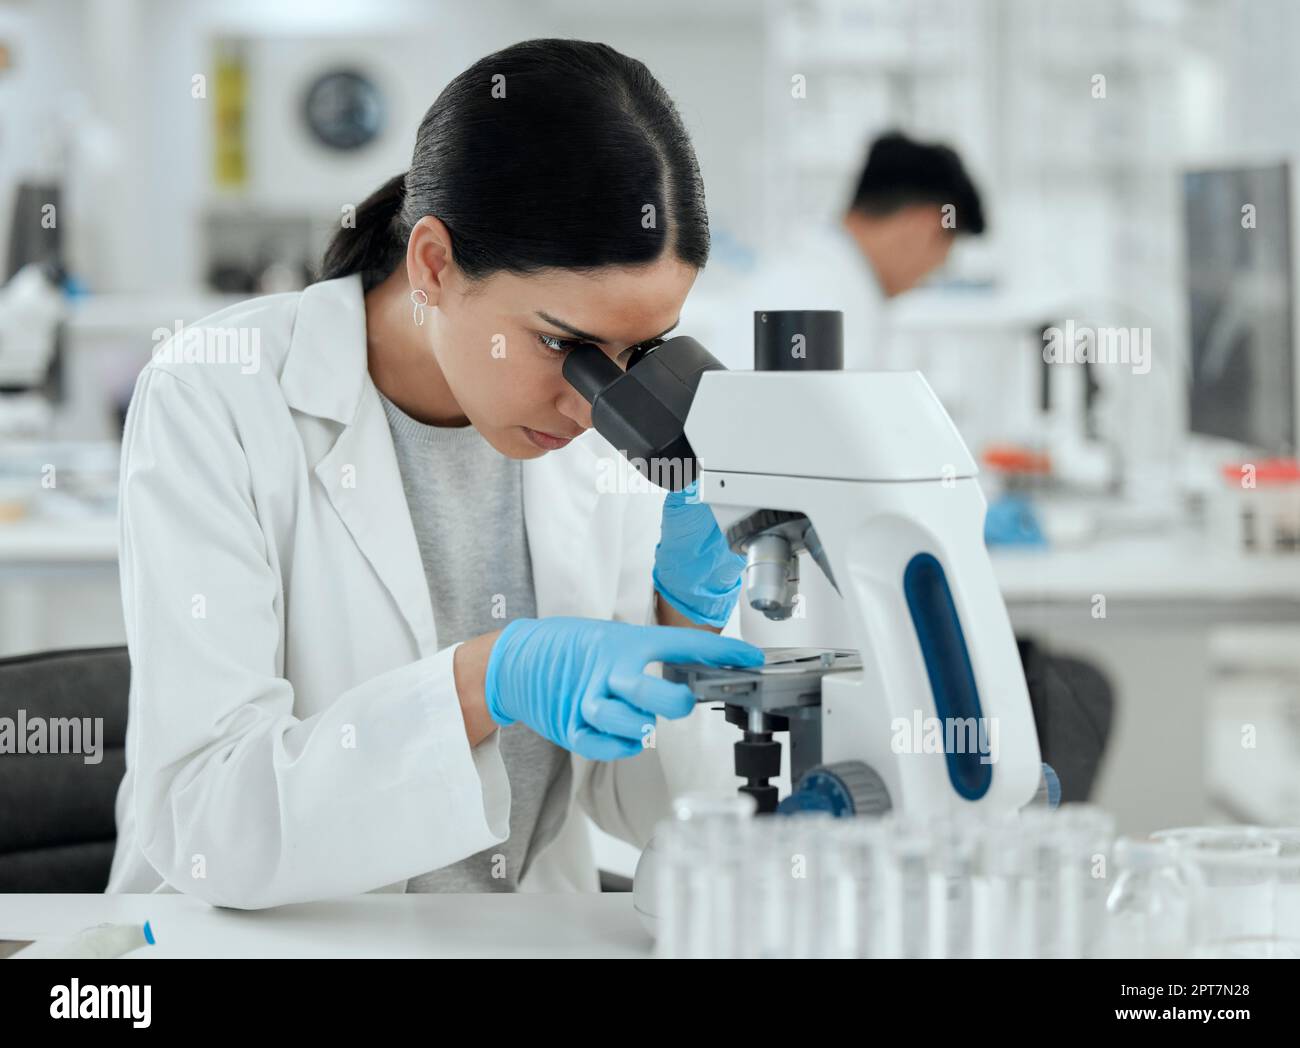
point(230, 120)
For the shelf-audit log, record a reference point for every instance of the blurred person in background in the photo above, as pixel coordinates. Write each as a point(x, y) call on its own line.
point(909, 204)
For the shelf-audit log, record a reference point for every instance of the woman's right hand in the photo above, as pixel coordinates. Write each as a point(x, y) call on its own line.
point(581, 682)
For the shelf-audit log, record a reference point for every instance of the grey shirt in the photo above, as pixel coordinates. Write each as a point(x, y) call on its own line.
point(466, 503)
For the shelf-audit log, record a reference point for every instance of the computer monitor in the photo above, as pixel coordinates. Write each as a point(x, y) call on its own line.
point(1240, 282)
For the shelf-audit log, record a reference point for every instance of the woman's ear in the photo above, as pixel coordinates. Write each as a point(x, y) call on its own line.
point(428, 257)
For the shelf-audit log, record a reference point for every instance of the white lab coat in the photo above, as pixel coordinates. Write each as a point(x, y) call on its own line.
point(294, 729)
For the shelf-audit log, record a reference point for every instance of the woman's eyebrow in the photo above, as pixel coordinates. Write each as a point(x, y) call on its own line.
point(579, 333)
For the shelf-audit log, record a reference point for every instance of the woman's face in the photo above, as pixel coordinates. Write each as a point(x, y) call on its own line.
point(501, 342)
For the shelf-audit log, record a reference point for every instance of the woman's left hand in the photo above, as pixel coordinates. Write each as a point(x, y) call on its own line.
point(695, 570)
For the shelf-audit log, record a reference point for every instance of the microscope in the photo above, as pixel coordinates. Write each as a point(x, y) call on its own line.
point(907, 691)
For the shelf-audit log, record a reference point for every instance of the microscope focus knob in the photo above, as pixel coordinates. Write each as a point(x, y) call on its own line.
point(842, 788)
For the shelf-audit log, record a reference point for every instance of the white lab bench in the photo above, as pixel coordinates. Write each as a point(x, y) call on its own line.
point(59, 585)
point(1139, 571)
point(521, 924)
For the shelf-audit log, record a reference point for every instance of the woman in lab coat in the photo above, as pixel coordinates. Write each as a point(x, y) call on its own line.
point(388, 598)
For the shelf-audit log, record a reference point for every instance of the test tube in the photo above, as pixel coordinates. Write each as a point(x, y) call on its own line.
point(905, 883)
point(953, 865)
point(698, 889)
point(854, 891)
point(1087, 835)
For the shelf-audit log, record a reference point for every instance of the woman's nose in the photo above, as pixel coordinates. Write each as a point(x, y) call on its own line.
point(573, 406)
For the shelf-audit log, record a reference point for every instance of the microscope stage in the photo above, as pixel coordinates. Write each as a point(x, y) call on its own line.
point(791, 677)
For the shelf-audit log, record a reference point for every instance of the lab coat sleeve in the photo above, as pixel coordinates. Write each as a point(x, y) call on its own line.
point(236, 799)
point(628, 798)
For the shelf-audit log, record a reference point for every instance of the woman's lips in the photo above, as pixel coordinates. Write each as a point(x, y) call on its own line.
point(545, 441)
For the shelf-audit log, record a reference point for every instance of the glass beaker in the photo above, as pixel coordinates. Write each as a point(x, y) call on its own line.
point(1151, 911)
point(1286, 893)
point(1235, 911)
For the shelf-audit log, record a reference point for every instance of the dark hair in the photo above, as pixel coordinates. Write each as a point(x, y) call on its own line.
point(900, 172)
point(544, 154)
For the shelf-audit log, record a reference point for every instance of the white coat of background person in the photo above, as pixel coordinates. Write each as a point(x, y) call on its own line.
point(299, 727)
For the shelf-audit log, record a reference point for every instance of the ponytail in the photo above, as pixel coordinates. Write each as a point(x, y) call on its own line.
point(373, 246)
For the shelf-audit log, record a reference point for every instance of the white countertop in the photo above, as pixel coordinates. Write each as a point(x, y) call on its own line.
point(1180, 565)
point(37, 540)
point(372, 925)
point(1177, 566)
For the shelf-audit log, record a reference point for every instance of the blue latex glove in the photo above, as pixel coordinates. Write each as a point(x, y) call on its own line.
point(695, 570)
point(580, 682)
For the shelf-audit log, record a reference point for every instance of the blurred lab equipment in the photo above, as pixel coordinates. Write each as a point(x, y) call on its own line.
point(99, 942)
point(1012, 519)
point(250, 251)
point(1037, 884)
point(1239, 251)
point(1028, 884)
point(1248, 906)
point(32, 315)
point(31, 307)
point(1068, 397)
point(1252, 731)
point(721, 808)
point(1256, 508)
point(1151, 911)
point(1242, 395)
point(35, 234)
point(864, 475)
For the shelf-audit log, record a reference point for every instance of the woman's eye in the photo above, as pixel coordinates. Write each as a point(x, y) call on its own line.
point(559, 346)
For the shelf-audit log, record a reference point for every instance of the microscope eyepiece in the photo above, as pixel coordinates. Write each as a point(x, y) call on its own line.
point(588, 370)
point(798, 340)
point(641, 350)
point(642, 411)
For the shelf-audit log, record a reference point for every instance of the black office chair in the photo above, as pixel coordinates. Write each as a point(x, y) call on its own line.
point(1074, 707)
point(57, 827)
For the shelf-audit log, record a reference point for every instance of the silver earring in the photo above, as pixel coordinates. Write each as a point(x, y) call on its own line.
point(418, 304)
